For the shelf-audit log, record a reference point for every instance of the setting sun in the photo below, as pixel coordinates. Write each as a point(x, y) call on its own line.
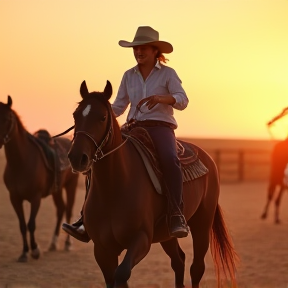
point(232, 58)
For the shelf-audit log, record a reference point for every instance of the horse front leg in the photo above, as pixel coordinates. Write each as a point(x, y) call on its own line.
point(136, 251)
point(60, 209)
point(70, 189)
point(18, 207)
point(35, 205)
point(107, 261)
point(277, 204)
point(177, 256)
point(271, 190)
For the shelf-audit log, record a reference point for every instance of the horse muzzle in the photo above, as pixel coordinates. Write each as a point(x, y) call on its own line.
point(80, 162)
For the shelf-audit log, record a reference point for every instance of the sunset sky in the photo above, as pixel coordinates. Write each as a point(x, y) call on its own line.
point(231, 55)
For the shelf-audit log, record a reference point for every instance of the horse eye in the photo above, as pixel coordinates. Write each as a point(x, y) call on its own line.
point(103, 118)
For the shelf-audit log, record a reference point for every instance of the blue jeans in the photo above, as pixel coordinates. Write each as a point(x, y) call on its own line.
point(165, 144)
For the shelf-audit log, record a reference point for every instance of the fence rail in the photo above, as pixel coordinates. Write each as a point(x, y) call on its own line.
point(237, 165)
point(234, 165)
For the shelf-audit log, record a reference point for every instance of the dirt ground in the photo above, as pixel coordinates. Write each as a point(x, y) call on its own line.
point(261, 245)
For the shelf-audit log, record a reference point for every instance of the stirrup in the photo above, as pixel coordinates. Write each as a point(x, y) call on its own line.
point(77, 232)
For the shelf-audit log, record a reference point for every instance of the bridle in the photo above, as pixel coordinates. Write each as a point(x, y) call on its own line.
point(99, 154)
point(7, 137)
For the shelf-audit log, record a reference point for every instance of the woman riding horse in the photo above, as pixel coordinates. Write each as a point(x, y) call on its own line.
point(123, 209)
point(159, 88)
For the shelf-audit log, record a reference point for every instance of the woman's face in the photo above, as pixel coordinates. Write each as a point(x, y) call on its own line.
point(145, 54)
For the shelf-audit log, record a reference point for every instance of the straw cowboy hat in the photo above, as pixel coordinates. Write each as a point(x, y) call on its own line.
point(147, 35)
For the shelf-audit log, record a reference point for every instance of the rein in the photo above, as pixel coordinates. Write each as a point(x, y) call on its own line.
point(133, 119)
point(7, 137)
point(99, 154)
point(65, 132)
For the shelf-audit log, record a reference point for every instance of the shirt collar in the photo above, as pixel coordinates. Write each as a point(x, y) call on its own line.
point(157, 65)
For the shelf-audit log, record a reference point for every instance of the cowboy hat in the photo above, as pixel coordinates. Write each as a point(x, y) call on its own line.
point(147, 35)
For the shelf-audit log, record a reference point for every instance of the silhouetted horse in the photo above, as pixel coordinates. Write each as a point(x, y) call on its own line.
point(279, 160)
point(28, 176)
point(122, 209)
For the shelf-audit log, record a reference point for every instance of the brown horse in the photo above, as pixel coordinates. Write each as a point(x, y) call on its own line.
point(27, 177)
point(122, 209)
point(279, 161)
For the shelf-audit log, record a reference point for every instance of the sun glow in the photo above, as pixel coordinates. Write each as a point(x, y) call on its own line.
point(232, 58)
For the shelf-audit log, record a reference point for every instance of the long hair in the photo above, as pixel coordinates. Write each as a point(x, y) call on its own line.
point(160, 57)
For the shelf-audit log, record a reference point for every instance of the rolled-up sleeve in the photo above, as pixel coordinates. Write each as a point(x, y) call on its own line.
point(121, 101)
point(176, 90)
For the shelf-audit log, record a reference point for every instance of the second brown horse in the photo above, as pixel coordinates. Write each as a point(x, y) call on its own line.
point(27, 178)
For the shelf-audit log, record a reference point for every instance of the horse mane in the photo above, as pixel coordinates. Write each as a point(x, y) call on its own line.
point(18, 120)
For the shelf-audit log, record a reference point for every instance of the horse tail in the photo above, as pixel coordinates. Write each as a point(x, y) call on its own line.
point(222, 250)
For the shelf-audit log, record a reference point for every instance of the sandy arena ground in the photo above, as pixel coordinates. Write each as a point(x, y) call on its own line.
point(261, 245)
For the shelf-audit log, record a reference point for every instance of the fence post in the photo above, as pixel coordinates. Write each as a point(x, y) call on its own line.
point(241, 165)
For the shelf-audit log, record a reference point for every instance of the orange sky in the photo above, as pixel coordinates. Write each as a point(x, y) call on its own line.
point(232, 57)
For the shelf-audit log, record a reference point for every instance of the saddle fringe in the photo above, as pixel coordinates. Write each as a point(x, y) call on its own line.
point(193, 171)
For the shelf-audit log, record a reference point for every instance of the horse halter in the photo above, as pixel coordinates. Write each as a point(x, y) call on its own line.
point(7, 137)
point(99, 154)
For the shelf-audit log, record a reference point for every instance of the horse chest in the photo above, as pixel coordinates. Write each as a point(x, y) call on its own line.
point(109, 224)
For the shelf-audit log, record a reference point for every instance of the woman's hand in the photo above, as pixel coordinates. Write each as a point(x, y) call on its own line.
point(153, 100)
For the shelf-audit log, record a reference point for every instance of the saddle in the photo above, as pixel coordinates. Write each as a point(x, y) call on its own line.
point(191, 165)
point(54, 156)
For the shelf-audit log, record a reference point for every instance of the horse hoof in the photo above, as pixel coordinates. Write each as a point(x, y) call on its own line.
point(23, 258)
point(263, 216)
point(35, 253)
point(68, 246)
point(52, 247)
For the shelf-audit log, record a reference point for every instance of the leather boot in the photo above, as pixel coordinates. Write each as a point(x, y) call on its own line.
point(77, 230)
point(178, 227)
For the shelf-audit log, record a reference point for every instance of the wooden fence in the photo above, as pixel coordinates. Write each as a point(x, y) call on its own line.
point(234, 165)
point(237, 165)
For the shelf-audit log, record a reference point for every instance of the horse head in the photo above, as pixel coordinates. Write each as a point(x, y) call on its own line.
point(93, 119)
point(6, 121)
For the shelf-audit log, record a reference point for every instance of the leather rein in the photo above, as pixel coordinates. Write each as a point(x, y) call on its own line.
point(7, 137)
point(99, 154)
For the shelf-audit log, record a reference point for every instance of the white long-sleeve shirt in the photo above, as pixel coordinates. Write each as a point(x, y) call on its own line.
point(162, 80)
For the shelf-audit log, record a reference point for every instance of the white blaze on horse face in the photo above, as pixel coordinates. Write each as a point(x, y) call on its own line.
point(86, 111)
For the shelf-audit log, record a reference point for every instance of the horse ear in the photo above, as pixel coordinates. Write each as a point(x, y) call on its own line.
point(108, 90)
point(83, 89)
point(9, 101)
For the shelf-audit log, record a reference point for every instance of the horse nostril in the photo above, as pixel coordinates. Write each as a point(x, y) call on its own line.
point(84, 160)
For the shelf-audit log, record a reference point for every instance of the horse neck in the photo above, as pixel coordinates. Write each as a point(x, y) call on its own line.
point(113, 163)
point(16, 148)
point(108, 175)
point(116, 137)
